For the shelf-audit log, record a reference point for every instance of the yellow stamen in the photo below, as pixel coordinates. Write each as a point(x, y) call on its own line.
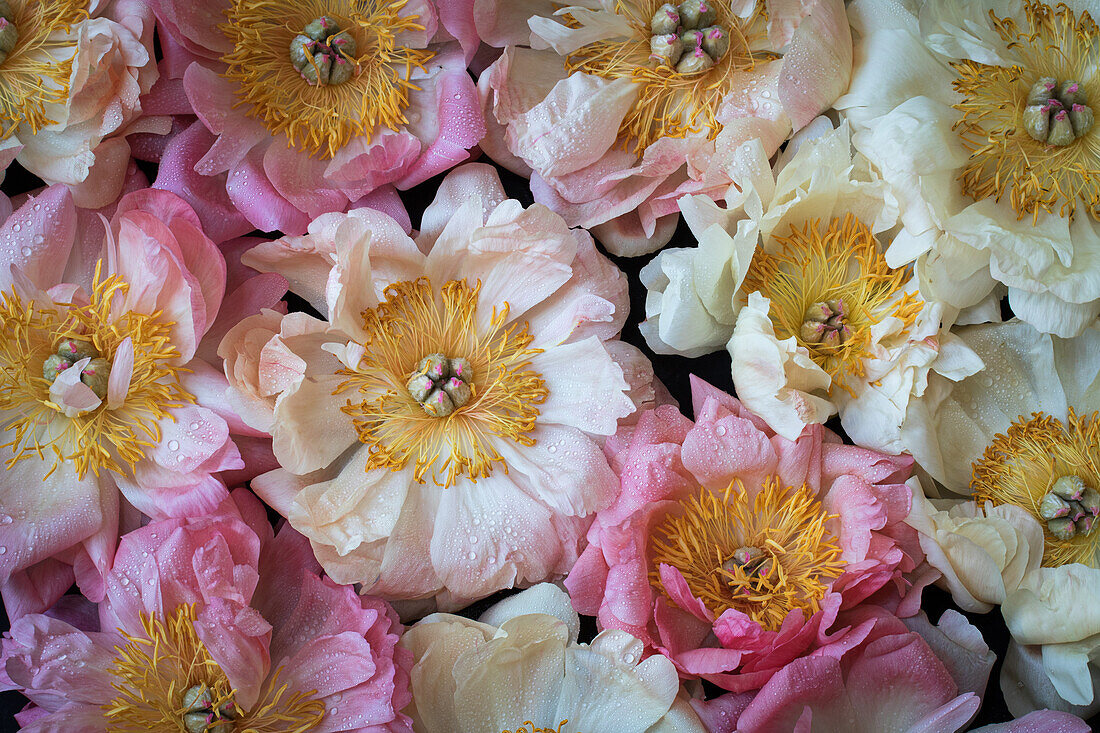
point(414, 321)
point(154, 670)
point(838, 262)
point(1004, 159)
point(104, 438)
point(671, 104)
point(787, 525)
point(36, 72)
point(529, 727)
point(321, 119)
point(1022, 465)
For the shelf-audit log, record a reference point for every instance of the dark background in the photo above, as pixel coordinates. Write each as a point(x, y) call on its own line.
point(672, 370)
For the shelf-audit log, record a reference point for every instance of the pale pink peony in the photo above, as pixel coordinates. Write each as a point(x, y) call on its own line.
point(904, 677)
point(230, 605)
point(441, 507)
point(100, 62)
point(281, 151)
point(611, 138)
point(729, 485)
point(150, 422)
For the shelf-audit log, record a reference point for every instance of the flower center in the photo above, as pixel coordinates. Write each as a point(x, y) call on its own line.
point(685, 59)
point(348, 75)
point(764, 556)
point(36, 52)
point(38, 344)
point(166, 680)
point(1029, 126)
point(439, 386)
point(529, 727)
point(322, 53)
point(828, 286)
point(1051, 469)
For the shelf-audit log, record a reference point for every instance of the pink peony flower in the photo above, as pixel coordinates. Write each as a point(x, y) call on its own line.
point(439, 432)
point(733, 551)
point(307, 114)
point(617, 109)
point(71, 82)
point(213, 619)
point(105, 385)
point(920, 678)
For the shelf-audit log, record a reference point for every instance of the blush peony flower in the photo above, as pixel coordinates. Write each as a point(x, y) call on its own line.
point(71, 74)
point(794, 283)
point(920, 678)
point(1021, 437)
point(617, 109)
point(211, 623)
point(988, 142)
point(732, 550)
point(519, 669)
point(439, 431)
point(102, 389)
point(312, 106)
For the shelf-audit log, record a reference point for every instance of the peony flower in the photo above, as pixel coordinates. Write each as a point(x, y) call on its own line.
point(617, 109)
point(519, 669)
point(71, 74)
point(312, 106)
point(461, 383)
point(1021, 438)
point(212, 623)
point(921, 678)
point(794, 283)
point(732, 550)
point(988, 142)
point(102, 388)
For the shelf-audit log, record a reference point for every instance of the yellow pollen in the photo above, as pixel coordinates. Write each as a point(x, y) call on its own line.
point(416, 320)
point(321, 119)
point(104, 438)
point(787, 526)
point(1004, 158)
point(529, 727)
point(154, 669)
point(1020, 466)
point(838, 262)
point(669, 103)
point(36, 72)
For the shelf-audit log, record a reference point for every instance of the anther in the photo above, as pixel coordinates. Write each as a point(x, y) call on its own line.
point(441, 385)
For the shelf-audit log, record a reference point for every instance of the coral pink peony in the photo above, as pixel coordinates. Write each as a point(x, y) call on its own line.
point(105, 386)
point(732, 550)
point(309, 107)
point(614, 116)
point(207, 620)
point(439, 432)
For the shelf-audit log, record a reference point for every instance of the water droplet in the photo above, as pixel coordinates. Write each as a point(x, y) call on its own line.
point(36, 207)
point(720, 430)
point(472, 555)
point(473, 539)
point(3, 550)
point(173, 445)
point(552, 449)
point(16, 227)
point(125, 580)
point(195, 425)
point(5, 519)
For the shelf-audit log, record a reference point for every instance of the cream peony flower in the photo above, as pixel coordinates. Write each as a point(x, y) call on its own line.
point(1023, 437)
point(71, 74)
point(439, 433)
point(793, 281)
point(987, 138)
point(519, 669)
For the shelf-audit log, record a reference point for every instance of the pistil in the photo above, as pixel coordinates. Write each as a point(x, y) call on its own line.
point(1057, 114)
point(95, 374)
point(441, 385)
point(824, 323)
point(323, 53)
point(9, 34)
point(686, 37)
point(1070, 507)
point(202, 715)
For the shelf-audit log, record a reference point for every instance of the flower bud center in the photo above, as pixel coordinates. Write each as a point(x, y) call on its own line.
point(9, 34)
point(95, 373)
point(441, 384)
point(1070, 507)
point(323, 53)
point(753, 561)
point(1057, 113)
point(202, 716)
point(825, 323)
point(686, 37)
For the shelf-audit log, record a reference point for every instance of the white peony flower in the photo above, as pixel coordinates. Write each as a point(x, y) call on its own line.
point(520, 668)
point(986, 138)
point(1023, 437)
point(794, 282)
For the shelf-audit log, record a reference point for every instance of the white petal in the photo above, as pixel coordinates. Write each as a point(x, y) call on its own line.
point(587, 388)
